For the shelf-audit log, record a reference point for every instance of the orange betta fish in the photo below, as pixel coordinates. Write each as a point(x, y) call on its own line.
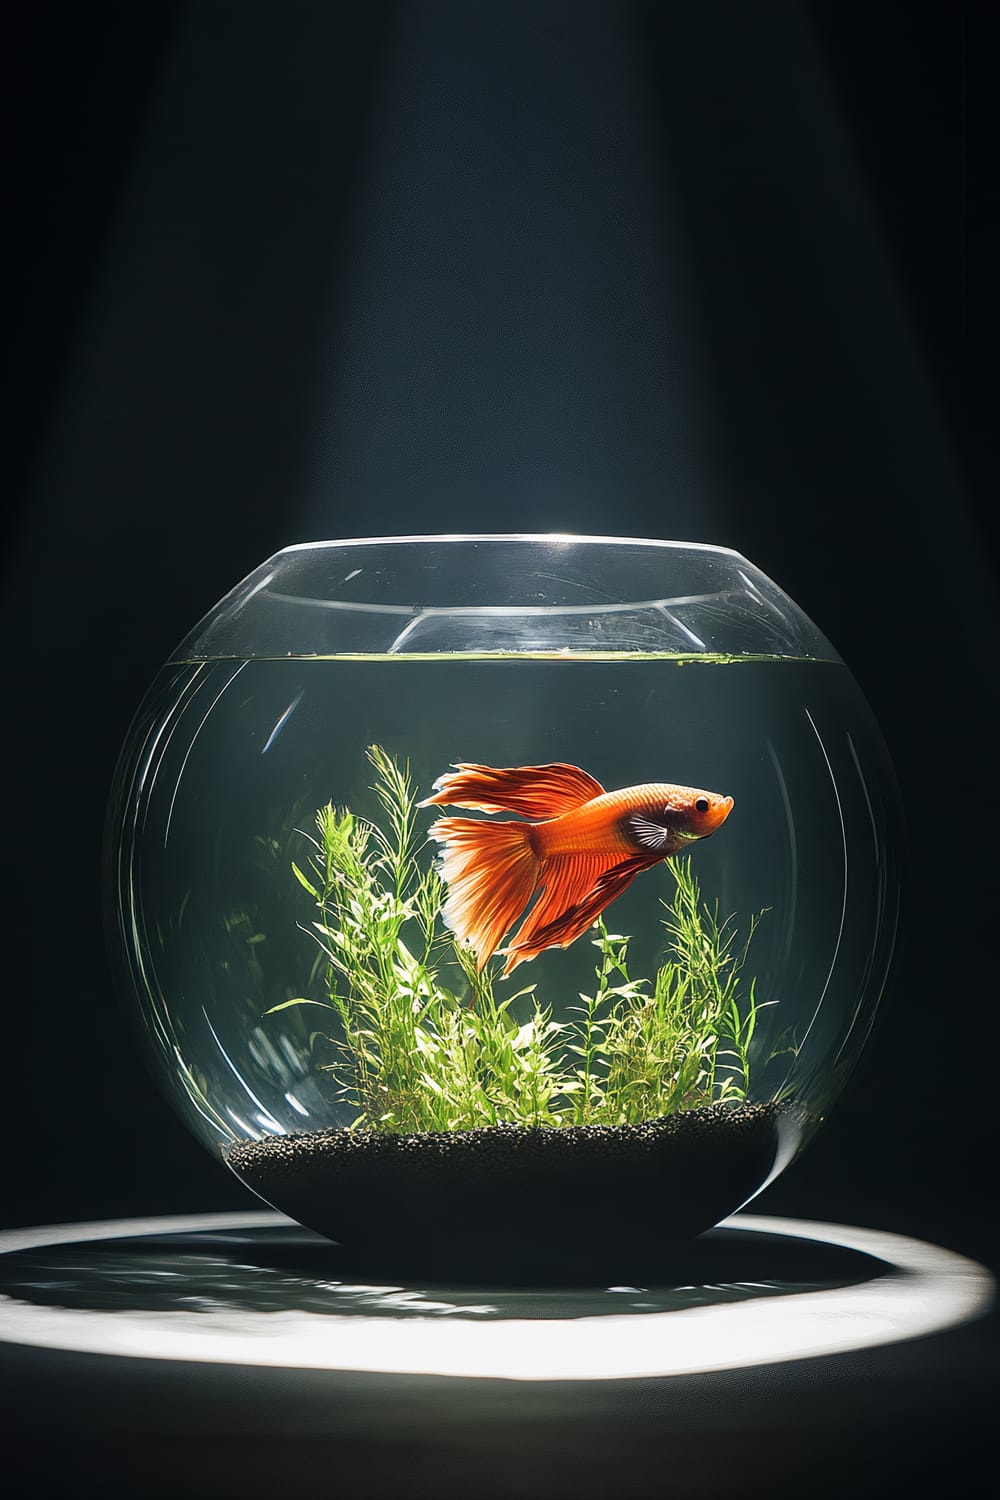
point(582, 848)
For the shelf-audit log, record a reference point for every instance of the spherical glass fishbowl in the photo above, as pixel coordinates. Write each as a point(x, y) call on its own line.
point(504, 904)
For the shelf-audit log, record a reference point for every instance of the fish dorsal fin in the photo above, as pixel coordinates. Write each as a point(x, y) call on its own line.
point(538, 792)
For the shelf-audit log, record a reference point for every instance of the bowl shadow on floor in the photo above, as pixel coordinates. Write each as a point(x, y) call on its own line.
point(291, 1269)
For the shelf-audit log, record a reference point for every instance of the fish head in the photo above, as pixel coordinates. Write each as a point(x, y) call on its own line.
point(676, 816)
point(702, 812)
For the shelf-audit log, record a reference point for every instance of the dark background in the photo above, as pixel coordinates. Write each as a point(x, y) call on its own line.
point(712, 271)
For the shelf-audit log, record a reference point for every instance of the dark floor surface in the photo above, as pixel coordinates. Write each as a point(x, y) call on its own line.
point(909, 1419)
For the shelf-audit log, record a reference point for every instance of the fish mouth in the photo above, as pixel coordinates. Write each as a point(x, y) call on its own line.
point(721, 813)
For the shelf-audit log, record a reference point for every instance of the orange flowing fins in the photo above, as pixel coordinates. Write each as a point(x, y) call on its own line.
point(549, 926)
point(566, 880)
point(491, 872)
point(539, 792)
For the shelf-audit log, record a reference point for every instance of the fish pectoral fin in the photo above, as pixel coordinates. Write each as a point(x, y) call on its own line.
point(538, 792)
point(649, 834)
point(557, 919)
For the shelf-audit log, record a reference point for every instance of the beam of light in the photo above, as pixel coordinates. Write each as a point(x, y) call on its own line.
point(922, 1290)
point(508, 336)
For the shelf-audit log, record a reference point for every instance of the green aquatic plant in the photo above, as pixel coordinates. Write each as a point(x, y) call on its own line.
point(679, 1043)
point(413, 1053)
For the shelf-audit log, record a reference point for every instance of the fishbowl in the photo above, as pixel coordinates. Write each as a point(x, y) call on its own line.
point(508, 905)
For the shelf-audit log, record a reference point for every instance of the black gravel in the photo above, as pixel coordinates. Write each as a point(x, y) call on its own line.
point(573, 1204)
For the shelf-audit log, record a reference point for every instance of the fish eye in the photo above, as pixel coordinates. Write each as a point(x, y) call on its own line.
point(701, 805)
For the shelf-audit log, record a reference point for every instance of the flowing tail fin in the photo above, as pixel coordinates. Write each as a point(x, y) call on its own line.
point(491, 872)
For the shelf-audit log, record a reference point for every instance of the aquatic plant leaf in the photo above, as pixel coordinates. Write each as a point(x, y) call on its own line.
point(286, 1004)
point(507, 1020)
point(306, 884)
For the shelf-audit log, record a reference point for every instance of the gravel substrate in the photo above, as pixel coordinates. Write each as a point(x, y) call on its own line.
point(574, 1204)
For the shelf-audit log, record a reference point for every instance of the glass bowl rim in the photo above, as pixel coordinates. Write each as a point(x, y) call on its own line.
point(537, 537)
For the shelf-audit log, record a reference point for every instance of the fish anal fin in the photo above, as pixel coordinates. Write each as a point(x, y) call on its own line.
point(565, 881)
point(537, 792)
point(549, 927)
